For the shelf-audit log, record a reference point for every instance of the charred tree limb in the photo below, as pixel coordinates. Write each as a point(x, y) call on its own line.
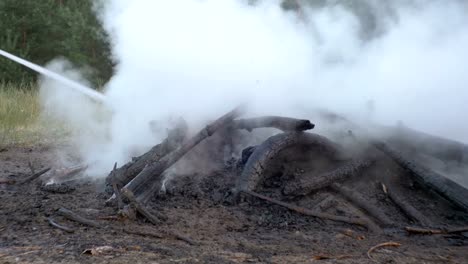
point(308, 212)
point(424, 231)
point(34, 176)
point(77, 218)
point(142, 209)
point(441, 185)
point(362, 203)
point(282, 123)
point(126, 173)
point(411, 212)
point(310, 183)
point(262, 155)
point(142, 185)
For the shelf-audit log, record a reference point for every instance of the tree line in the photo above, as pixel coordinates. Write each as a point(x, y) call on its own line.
point(41, 30)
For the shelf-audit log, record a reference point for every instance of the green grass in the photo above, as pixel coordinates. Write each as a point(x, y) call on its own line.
point(21, 122)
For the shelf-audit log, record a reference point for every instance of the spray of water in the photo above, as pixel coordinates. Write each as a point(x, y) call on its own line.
point(57, 77)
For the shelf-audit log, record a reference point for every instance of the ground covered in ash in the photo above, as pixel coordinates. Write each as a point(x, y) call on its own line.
point(198, 207)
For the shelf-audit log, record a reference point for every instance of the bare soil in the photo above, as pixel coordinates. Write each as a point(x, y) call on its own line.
point(196, 205)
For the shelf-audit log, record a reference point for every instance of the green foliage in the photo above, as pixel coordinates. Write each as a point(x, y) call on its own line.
point(42, 30)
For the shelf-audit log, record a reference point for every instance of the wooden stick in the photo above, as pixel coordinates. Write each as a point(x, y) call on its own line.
point(424, 231)
point(441, 185)
point(148, 180)
point(129, 171)
point(117, 194)
point(64, 228)
point(176, 235)
point(309, 183)
point(34, 176)
point(407, 208)
point(77, 218)
point(386, 244)
point(308, 212)
point(140, 208)
point(279, 122)
point(362, 203)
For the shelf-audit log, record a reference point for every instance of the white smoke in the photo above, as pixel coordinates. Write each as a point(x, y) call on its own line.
point(405, 61)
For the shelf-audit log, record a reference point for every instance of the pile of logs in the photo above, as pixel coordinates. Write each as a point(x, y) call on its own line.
point(134, 183)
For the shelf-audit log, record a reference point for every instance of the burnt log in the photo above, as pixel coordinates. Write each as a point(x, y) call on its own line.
point(309, 183)
point(411, 212)
point(282, 123)
point(359, 201)
point(430, 179)
point(149, 179)
point(254, 169)
point(77, 218)
point(126, 173)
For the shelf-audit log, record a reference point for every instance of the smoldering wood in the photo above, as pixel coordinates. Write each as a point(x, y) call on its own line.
point(309, 182)
point(142, 209)
point(359, 201)
point(431, 180)
point(143, 186)
point(77, 218)
point(254, 169)
point(61, 227)
point(34, 176)
point(308, 212)
point(279, 122)
point(126, 173)
point(407, 209)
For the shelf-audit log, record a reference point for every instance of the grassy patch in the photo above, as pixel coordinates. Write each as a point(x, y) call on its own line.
point(20, 117)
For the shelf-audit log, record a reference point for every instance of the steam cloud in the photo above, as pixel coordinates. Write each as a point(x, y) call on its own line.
point(401, 61)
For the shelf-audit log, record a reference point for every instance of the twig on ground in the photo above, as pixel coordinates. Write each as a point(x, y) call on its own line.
point(34, 176)
point(386, 244)
point(64, 228)
point(77, 218)
point(425, 231)
point(325, 257)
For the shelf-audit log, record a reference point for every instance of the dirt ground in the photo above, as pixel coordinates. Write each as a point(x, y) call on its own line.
point(251, 231)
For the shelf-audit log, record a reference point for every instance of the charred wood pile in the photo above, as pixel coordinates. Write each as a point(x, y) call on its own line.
point(138, 182)
point(357, 181)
